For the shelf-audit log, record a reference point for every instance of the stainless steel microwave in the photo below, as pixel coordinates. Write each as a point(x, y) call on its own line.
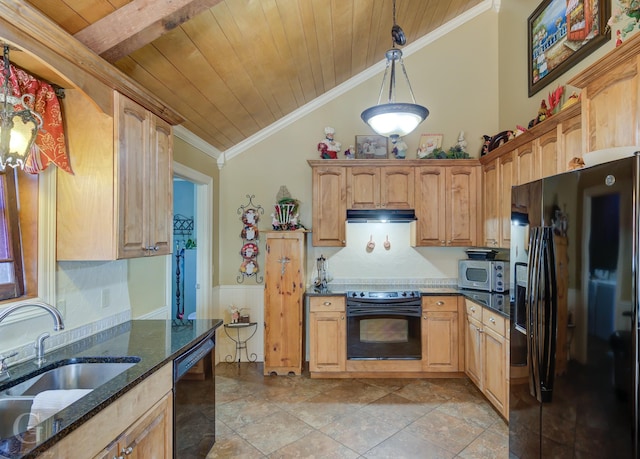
point(487, 275)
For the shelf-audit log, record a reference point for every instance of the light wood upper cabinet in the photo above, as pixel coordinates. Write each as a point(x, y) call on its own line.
point(145, 194)
point(490, 204)
point(527, 166)
point(569, 141)
point(327, 334)
point(388, 187)
point(609, 98)
point(498, 178)
point(447, 205)
point(446, 195)
point(431, 206)
point(506, 179)
point(119, 201)
point(329, 206)
point(542, 151)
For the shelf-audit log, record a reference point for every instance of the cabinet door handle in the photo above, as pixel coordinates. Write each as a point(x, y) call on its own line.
point(342, 318)
point(442, 243)
point(473, 310)
point(127, 451)
point(492, 320)
point(479, 331)
point(439, 303)
point(327, 303)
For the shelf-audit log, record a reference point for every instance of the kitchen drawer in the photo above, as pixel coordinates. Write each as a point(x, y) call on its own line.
point(474, 310)
point(493, 321)
point(326, 303)
point(440, 303)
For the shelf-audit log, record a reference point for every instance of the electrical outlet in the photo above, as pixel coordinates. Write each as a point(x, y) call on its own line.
point(105, 298)
point(62, 307)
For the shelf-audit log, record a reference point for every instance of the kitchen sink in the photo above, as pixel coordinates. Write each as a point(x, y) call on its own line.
point(14, 415)
point(71, 375)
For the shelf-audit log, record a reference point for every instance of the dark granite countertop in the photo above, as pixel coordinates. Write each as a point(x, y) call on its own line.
point(154, 342)
point(498, 302)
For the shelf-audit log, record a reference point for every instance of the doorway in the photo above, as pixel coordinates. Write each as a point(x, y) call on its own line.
point(190, 269)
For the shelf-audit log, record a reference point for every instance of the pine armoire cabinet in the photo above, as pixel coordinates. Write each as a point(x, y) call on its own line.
point(284, 286)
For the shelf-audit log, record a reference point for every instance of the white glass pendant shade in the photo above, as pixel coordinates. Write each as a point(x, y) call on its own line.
point(396, 119)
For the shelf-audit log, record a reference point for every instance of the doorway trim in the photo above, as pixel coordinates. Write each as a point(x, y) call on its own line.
point(204, 205)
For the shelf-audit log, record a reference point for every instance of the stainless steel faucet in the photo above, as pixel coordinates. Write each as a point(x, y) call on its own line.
point(58, 324)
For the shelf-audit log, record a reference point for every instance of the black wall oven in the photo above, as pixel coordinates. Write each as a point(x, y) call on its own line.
point(384, 325)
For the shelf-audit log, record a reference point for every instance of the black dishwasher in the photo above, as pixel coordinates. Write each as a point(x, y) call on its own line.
point(194, 403)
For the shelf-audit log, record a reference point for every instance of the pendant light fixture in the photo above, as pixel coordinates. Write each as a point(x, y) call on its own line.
point(395, 119)
point(18, 124)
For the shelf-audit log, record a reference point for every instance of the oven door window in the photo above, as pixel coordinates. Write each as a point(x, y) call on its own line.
point(384, 331)
point(380, 337)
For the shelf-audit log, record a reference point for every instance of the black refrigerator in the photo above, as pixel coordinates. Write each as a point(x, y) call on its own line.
point(573, 390)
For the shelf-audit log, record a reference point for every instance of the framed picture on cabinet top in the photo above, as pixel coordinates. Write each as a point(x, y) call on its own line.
point(428, 143)
point(372, 147)
point(560, 34)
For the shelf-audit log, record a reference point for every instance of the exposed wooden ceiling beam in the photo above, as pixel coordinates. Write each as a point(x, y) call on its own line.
point(138, 23)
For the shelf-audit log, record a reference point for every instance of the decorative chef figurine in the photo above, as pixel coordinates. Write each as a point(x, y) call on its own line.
point(399, 148)
point(328, 147)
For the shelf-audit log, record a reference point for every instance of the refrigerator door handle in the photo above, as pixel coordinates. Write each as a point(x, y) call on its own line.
point(548, 313)
point(533, 347)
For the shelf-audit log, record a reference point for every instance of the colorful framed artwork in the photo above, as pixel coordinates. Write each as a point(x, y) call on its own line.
point(372, 147)
point(560, 34)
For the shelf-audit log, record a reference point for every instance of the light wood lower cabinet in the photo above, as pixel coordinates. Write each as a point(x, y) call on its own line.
point(442, 347)
point(142, 420)
point(149, 437)
point(473, 349)
point(487, 353)
point(327, 334)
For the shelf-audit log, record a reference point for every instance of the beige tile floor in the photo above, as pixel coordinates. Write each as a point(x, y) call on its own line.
point(294, 416)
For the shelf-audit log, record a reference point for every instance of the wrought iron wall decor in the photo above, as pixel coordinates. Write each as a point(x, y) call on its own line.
point(182, 226)
point(250, 215)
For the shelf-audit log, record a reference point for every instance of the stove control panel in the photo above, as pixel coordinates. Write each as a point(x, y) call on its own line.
point(383, 295)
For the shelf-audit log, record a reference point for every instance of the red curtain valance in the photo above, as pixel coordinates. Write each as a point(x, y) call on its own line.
point(50, 145)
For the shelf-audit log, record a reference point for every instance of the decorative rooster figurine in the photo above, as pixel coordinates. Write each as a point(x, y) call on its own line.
point(554, 98)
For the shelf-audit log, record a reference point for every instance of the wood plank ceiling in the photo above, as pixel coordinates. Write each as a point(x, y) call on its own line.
point(233, 67)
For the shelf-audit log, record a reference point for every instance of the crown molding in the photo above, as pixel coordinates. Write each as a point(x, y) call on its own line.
point(184, 134)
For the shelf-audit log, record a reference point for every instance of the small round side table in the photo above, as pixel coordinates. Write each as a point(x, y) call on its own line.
point(241, 343)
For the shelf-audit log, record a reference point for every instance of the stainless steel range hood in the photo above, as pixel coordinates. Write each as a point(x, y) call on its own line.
point(381, 215)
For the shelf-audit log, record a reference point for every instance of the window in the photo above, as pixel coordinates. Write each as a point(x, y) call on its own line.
point(11, 269)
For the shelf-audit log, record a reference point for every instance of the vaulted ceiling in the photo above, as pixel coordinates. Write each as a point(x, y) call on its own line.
point(233, 67)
